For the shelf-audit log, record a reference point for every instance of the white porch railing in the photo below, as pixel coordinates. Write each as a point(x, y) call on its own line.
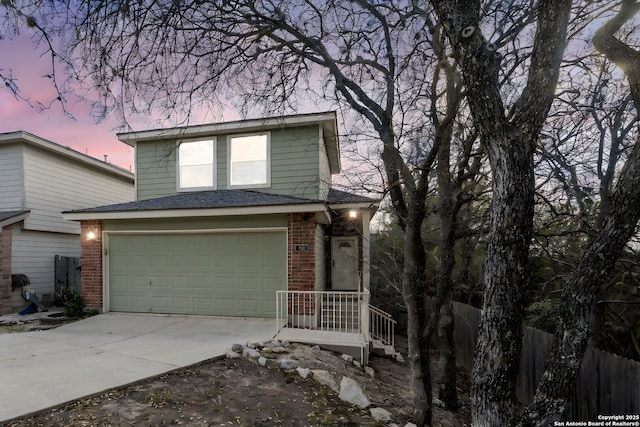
point(342, 312)
point(339, 316)
point(382, 326)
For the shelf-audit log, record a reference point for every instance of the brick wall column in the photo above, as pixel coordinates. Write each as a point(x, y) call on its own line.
point(91, 262)
point(5, 270)
point(302, 252)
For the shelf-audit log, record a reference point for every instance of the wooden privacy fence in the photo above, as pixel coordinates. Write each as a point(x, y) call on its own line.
point(606, 385)
point(67, 273)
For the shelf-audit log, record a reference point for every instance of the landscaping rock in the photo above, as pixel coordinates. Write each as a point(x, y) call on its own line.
point(238, 348)
point(380, 414)
point(262, 361)
point(279, 349)
point(233, 355)
point(357, 364)
point(369, 371)
point(326, 379)
point(250, 353)
point(347, 358)
point(289, 364)
point(274, 343)
point(399, 358)
point(269, 354)
point(351, 392)
point(410, 425)
point(303, 372)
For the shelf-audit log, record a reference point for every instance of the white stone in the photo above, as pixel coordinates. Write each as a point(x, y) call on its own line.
point(233, 355)
point(369, 370)
point(357, 364)
point(351, 392)
point(262, 361)
point(303, 372)
point(347, 358)
point(410, 425)
point(326, 379)
point(380, 414)
point(399, 358)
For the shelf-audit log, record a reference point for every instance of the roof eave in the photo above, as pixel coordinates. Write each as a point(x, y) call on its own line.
point(14, 219)
point(29, 138)
point(211, 129)
point(320, 209)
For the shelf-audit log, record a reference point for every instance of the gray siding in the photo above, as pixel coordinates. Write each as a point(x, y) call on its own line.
point(54, 184)
point(11, 178)
point(297, 161)
point(156, 173)
point(33, 253)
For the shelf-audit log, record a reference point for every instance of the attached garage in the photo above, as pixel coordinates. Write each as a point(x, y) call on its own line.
point(219, 273)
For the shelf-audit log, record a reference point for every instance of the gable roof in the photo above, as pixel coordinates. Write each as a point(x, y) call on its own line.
point(219, 203)
point(205, 203)
point(326, 120)
point(203, 200)
point(50, 146)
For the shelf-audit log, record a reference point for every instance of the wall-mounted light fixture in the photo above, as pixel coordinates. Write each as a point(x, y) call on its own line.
point(353, 213)
point(91, 235)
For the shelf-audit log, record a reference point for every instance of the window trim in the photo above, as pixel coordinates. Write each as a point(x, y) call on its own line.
point(213, 164)
point(268, 161)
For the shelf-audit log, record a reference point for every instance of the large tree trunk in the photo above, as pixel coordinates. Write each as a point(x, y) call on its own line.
point(413, 290)
point(498, 349)
point(509, 143)
point(583, 286)
point(447, 389)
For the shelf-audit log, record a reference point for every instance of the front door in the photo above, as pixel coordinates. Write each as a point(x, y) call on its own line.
point(344, 262)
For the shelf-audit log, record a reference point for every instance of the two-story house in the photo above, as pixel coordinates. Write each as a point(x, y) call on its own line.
point(38, 180)
point(227, 216)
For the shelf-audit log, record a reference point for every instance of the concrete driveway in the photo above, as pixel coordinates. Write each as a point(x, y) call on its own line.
point(42, 369)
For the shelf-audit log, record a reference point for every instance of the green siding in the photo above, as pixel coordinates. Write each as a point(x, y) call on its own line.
point(220, 274)
point(296, 164)
point(248, 221)
point(295, 161)
point(155, 169)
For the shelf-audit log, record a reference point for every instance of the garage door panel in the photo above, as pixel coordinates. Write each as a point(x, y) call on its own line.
point(226, 274)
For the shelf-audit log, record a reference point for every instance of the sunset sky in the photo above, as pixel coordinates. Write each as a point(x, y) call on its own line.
point(29, 66)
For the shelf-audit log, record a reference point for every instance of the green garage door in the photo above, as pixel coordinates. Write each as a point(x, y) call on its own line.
point(220, 274)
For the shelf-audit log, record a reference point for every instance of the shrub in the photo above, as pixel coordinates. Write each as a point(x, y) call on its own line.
point(74, 304)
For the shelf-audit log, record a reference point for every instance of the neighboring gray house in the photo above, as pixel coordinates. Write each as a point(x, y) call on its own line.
point(236, 219)
point(38, 180)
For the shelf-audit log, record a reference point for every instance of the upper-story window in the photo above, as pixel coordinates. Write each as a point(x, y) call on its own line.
point(249, 164)
point(196, 165)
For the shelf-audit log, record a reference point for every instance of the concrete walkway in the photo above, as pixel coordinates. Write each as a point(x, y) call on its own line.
point(42, 369)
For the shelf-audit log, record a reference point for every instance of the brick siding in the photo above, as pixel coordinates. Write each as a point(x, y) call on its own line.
point(91, 262)
point(302, 259)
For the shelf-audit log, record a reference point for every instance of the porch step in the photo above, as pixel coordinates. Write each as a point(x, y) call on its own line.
point(379, 348)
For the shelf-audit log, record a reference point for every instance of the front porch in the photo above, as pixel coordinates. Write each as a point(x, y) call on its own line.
point(341, 321)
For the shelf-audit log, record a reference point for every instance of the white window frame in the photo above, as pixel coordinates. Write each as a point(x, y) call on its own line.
point(267, 184)
point(213, 160)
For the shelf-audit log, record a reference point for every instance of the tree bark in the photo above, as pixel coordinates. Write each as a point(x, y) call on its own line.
point(510, 148)
point(583, 286)
point(413, 289)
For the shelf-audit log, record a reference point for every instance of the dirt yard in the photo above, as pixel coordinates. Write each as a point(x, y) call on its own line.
point(239, 392)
